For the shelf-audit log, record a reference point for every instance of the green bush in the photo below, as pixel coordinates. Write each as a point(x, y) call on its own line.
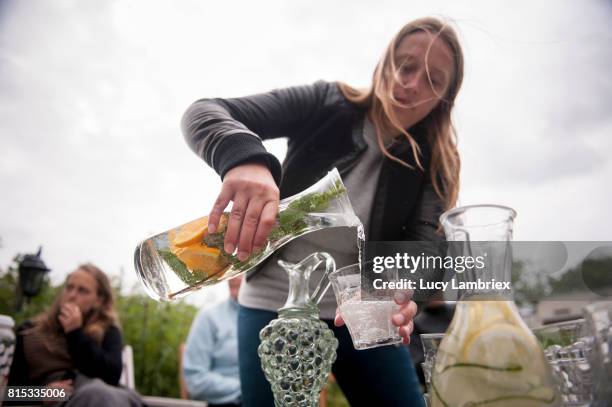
point(155, 331)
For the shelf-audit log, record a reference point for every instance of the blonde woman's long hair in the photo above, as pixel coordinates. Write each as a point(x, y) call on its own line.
point(97, 322)
point(438, 127)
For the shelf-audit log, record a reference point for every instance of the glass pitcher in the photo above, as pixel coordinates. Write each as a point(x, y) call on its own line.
point(488, 357)
point(598, 317)
point(183, 259)
point(297, 349)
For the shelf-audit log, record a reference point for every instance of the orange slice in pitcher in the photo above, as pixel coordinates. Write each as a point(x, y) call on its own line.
point(190, 233)
point(199, 257)
point(194, 231)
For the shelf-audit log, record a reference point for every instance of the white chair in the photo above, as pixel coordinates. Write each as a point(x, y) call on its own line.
point(127, 374)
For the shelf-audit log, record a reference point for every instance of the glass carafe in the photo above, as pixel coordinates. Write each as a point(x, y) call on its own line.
point(297, 349)
point(185, 258)
point(598, 317)
point(488, 357)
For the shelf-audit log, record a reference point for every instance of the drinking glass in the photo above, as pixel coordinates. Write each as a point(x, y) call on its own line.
point(368, 321)
point(598, 318)
point(567, 347)
point(430, 343)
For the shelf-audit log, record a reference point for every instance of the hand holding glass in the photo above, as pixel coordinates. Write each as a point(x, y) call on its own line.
point(368, 321)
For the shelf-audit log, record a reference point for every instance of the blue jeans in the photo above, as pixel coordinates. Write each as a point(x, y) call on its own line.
point(381, 376)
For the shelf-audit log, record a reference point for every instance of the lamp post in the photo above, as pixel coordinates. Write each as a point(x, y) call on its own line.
point(32, 270)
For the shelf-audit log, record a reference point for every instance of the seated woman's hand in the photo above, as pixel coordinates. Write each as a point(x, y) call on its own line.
point(70, 317)
point(255, 198)
point(403, 318)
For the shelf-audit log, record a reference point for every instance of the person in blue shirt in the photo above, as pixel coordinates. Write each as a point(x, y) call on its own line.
point(210, 361)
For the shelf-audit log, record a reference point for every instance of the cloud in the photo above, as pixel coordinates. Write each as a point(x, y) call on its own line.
point(536, 99)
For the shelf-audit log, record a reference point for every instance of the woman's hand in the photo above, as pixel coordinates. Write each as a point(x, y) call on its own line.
point(403, 318)
point(255, 195)
point(70, 317)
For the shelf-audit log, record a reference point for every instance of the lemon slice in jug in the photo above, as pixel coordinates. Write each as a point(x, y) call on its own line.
point(506, 355)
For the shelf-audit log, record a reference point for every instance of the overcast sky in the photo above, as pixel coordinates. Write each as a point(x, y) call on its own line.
point(92, 92)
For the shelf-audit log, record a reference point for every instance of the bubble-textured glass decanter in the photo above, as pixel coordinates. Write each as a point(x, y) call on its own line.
point(488, 357)
point(297, 349)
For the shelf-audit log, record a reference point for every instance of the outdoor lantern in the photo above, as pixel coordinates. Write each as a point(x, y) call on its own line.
point(32, 271)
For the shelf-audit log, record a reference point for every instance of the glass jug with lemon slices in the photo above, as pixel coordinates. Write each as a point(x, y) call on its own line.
point(185, 258)
point(488, 357)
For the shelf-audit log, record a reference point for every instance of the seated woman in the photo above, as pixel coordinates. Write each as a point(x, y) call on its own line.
point(75, 345)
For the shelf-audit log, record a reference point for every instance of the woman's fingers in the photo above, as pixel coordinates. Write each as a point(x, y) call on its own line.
point(405, 314)
point(406, 330)
point(258, 220)
point(338, 320)
point(402, 297)
point(251, 187)
point(65, 316)
point(404, 317)
point(267, 221)
point(66, 311)
point(249, 227)
point(69, 311)
point(226, 194)
point(235, 222)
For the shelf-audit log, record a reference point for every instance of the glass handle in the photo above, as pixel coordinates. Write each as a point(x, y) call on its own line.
point(323, 285)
